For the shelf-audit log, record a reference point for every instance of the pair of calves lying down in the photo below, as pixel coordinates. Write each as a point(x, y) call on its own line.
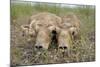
point(43, 28)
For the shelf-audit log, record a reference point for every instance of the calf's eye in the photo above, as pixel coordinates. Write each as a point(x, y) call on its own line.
point(39, 24)
point(73, 33)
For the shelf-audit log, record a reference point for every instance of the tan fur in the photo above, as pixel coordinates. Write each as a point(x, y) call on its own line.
point(71, 22)
point(45, 19)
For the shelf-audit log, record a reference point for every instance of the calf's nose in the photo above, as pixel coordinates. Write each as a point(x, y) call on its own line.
point(63, 47)
point(38, 46)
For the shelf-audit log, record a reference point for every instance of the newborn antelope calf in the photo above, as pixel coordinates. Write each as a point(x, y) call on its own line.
point(47, 27)
point(41, 25)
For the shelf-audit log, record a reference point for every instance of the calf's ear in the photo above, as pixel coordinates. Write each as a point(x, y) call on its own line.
point(32, 33)
point(24, 29)
point(73, 31)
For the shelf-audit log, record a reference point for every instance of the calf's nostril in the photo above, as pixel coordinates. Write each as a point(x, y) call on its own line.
point(62, 47)
point(38, 47)
point(65, 47)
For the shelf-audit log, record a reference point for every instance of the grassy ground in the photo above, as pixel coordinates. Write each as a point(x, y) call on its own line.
point(23, 53)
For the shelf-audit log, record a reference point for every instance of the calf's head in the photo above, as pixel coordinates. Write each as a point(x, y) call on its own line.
point(64, 39)
point(42, 39)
